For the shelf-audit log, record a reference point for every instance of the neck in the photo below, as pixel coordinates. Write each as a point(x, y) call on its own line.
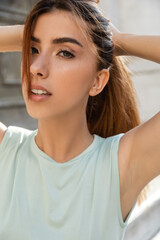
point(63, 139)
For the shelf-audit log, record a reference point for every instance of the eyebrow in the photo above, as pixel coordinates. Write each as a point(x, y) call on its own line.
point(59, 40)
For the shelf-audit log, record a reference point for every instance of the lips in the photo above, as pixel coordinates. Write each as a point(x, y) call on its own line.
point(39, 94)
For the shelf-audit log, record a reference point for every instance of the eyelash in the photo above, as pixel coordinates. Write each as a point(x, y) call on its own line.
point(66, 51)
point(35, 51)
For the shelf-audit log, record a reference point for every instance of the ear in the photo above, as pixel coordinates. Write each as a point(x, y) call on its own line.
point(100, 82)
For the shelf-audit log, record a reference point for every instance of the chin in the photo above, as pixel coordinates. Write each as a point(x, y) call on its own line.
point(36, 112)
point(39, 113)
point(33, 114)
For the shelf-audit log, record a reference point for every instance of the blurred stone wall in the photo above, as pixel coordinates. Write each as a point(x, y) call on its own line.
point(134, 16)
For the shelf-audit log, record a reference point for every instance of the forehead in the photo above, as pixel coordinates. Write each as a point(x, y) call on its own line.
point(60, 23)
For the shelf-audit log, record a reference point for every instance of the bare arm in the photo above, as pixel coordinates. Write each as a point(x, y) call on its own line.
point(139, 160)
point(10, 41)
point(139, 150)
point(147, 47)
point(11, 38)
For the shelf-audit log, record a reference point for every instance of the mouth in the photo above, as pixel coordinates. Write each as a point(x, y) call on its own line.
point(39, 92)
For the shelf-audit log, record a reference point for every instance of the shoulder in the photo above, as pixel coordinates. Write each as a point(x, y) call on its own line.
point(108, 150)
point(113, 143)
point(3, 130)
point(14, 135)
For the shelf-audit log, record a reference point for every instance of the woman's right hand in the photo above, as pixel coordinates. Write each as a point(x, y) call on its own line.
point(11, 38)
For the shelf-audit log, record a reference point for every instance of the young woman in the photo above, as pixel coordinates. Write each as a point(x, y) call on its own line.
point(78, 175)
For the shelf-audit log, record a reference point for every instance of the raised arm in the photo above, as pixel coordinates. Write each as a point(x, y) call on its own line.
point(10, 41)
point(147, 47)
point(11, 38)
point(139, 149)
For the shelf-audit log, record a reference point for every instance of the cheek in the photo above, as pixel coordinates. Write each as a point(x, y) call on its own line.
point(74, 78)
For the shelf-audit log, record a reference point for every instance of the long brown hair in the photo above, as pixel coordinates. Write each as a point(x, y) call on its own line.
point(114, 110)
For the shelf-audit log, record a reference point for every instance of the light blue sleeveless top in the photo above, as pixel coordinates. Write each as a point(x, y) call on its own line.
point(42, 199)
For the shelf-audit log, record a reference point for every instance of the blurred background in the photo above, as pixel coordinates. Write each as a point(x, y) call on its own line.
point(133, 16)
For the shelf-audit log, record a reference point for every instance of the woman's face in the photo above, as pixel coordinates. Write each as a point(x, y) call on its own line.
point(62, 63)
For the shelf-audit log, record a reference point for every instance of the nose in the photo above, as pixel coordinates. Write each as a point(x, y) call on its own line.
point(39, 67)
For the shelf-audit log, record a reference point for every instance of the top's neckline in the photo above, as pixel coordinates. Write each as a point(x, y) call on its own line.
point(36, 149)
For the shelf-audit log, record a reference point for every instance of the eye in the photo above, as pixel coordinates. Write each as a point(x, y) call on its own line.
point(66, 54)
point(34, 50)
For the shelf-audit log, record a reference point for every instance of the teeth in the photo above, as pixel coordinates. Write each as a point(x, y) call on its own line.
point(39, 92)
